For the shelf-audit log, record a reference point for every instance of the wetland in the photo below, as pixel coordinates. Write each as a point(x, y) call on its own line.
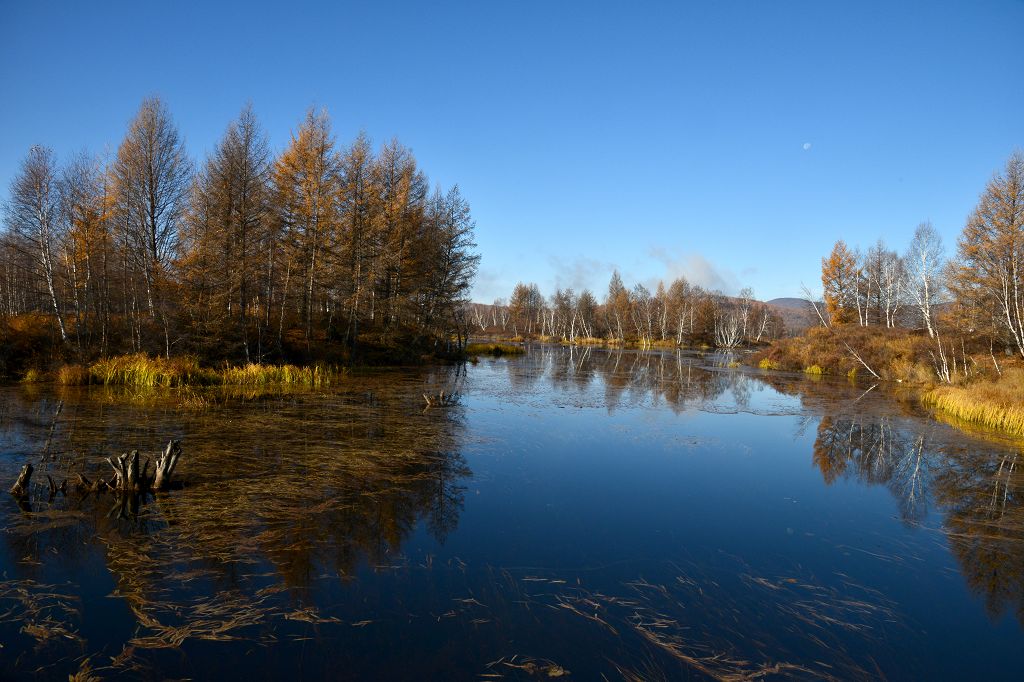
point(583, 513)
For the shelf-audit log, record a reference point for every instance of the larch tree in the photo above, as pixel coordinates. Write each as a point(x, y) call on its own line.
point(357, 247)
point(226, 244)
point(839, 283)
point(305, 180)
point(989, 272)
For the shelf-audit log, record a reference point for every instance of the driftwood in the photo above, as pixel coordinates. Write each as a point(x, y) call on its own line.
point(20, 487)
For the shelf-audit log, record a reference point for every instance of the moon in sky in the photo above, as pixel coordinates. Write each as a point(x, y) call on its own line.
point(807, 145)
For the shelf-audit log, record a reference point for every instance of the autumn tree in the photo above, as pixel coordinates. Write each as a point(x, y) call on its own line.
point(87, 209)
point(153, 175)
point(452, 251)
point(228, 250)
point(989, 271)
point(839, 281)
point(358, 249)
point(401, 199)
point(305, 184)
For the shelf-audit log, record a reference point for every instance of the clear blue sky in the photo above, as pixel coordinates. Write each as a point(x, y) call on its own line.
point(664, 138)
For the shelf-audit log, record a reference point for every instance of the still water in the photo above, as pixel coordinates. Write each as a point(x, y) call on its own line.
point(586, 514)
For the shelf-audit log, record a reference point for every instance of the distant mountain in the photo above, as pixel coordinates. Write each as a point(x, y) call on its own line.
point(798, 303)
point(797, 314)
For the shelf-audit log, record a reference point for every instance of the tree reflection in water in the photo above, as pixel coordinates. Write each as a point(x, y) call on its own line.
point(976, 491)
point(279, 489)
point(293, 501)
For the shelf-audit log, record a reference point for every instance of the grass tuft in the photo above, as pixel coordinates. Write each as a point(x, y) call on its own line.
point(73, 375)
point(32, 376)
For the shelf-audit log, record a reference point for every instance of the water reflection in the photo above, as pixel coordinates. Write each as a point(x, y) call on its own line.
point(278, 491)
point(295, 505)
point(975, 490)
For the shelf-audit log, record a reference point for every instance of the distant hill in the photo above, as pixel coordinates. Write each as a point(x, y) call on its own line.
point(797, 313)
point(798, 303)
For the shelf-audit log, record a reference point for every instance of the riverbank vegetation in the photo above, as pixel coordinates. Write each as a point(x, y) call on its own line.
point(953, 328)
point(323, 252)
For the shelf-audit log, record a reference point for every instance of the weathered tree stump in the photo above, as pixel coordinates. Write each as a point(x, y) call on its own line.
point(20, 487)
point(130, 475)
point(165, 465)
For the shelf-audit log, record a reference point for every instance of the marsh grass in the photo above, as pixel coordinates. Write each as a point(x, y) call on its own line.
point(996, 404)
point(142, 371)
point(262, 375)
point(494, 349)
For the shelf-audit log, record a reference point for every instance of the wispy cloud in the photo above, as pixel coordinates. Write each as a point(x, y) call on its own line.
point(696, 269)
point(580, 273)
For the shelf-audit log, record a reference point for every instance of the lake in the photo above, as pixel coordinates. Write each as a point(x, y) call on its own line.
point(578, 513)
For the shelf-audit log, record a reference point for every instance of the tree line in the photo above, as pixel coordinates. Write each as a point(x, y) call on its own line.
point(250, 255)
point(975, 297)
point(678, 314)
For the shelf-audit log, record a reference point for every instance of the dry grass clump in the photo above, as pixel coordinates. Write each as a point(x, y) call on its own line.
point(994, 403)
point(495, 349)
point(73, 375)
point(32, 376)
point(142, 370)
point(261, 375)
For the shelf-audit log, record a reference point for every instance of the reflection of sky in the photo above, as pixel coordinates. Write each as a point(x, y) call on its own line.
point(637, 483)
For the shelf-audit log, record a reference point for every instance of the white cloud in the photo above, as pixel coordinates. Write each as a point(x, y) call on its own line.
point(807, 145)
point(697, 270)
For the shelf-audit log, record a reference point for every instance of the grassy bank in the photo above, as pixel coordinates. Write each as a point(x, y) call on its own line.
point(994, 402)
point(986, 397)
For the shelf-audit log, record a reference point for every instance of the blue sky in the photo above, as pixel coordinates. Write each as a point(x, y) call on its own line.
point(732, 142)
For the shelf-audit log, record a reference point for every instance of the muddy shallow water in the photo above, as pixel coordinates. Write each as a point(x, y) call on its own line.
point(576, 513)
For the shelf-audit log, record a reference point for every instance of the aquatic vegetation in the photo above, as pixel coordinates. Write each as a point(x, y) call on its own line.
point(814, 369)
point(261, 375)
point(142, 370)
point(767, 363)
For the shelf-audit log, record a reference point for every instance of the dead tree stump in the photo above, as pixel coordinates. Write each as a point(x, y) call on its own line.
point(20, 487)
point(165, 465)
